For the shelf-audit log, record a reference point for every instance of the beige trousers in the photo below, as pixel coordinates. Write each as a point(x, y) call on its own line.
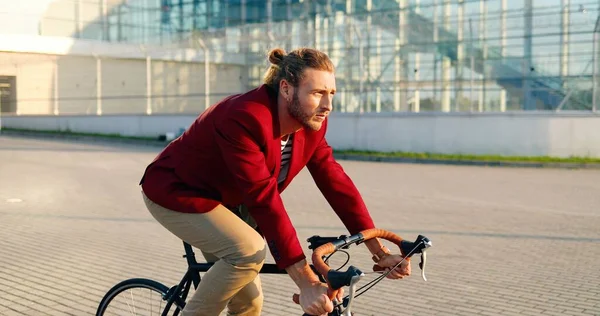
point(237, 250)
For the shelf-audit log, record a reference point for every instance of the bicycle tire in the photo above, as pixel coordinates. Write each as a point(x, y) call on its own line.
point(129, 284)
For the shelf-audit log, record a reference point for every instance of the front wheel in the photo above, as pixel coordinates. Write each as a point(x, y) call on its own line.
point(135, 297)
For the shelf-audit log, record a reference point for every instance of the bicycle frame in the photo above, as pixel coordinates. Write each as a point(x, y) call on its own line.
point(177, 294)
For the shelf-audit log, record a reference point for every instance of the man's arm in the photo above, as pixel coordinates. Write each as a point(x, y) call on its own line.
point(338, 189)
point(341, 193)
point(239, 139)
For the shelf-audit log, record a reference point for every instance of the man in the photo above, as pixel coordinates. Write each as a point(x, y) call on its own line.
point(240, 155)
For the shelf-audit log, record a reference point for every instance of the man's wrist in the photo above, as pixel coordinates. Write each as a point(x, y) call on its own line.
point(302, 274)
point(377, 249)
point(383, 252)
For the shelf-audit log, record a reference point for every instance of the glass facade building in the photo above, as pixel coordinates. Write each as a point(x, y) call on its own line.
point(393, 55)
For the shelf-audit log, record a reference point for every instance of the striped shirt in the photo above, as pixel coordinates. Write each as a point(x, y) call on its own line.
point(286, 155)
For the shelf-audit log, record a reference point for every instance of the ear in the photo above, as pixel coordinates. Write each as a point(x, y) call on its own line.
point(286, 89)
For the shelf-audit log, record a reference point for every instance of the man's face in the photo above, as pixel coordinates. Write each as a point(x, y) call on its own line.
point(312, 100)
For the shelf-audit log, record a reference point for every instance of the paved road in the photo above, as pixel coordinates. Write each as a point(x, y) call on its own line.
point(506, 241)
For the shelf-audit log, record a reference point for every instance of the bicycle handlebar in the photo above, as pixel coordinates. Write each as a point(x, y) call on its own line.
point(336, 279)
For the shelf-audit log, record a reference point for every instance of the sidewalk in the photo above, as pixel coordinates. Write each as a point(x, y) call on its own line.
point(506, 241)
point(338, 155)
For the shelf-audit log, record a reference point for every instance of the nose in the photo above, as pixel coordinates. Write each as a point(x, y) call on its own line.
point(327, 104)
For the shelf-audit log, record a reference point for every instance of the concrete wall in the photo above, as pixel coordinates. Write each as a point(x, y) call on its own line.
point(125, 125)
point(519, 133)
point(66, 70)
point(34, 80)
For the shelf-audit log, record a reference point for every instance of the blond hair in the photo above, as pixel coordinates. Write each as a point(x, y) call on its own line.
point(291, 66)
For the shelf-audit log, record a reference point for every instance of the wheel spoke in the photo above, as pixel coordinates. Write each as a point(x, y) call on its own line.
point(132, 303)
point(128, 298)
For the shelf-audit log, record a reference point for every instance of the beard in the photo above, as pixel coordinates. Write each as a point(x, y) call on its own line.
point(305, 119)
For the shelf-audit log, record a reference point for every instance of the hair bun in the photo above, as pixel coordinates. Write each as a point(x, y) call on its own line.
point(276, 56)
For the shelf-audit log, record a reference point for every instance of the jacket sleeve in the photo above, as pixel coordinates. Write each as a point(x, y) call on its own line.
point(240, 141)
point(338, 189)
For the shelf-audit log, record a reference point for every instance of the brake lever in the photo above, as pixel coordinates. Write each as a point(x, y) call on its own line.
point(422, 265)
point(422, 244)
point(426, 244)
point(352, 286)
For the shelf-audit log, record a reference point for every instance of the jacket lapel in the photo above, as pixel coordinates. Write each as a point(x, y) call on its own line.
point(296, 159)
point(297, 143)
point(276, 152)
point(275, 145)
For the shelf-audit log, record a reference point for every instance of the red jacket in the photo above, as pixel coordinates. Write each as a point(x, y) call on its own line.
point(231, 155)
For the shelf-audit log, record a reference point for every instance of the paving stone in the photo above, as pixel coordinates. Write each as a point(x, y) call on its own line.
point(506, 241)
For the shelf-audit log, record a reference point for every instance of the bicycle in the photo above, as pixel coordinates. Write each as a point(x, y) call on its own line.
point(323, 248)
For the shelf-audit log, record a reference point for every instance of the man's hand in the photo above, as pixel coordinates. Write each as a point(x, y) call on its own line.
point(313, 293)
point(390, 261)
point(324, 300)
point(314, 299)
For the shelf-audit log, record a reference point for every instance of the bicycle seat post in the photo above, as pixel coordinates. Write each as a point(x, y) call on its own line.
point(189, 254)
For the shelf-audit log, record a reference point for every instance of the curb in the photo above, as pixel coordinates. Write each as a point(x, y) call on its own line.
point(339, 156)
point(481, 163)
point(85, 138)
